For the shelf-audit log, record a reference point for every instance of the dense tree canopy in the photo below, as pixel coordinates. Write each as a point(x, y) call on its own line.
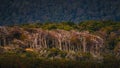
point(109, 30)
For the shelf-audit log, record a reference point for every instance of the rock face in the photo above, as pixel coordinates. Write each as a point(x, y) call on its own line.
point(39, 39)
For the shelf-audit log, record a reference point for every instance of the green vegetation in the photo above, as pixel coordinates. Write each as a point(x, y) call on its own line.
point(85, 25)
point(30, 60)
point(108, 30)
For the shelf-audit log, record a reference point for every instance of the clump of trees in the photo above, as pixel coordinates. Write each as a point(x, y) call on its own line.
point(108, 30)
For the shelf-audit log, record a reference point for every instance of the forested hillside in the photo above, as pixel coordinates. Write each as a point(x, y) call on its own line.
point(14, 11)
point(108, 30)
point(95, 43)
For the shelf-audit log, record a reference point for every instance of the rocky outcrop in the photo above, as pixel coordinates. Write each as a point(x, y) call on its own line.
point(70, 41)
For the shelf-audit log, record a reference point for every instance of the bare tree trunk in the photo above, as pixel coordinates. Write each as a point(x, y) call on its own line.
point(4, 41)
point(60, 46)
point(84, 44)
point(0, 42)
